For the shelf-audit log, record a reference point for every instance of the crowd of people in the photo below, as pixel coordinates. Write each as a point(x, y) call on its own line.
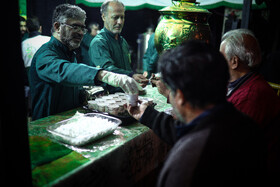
point(224, 131)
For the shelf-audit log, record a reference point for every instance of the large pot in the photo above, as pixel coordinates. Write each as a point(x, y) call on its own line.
point(183, 21)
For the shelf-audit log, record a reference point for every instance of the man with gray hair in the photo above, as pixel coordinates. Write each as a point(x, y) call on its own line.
point(109, 50)
point(55, 76)
point(248, 90)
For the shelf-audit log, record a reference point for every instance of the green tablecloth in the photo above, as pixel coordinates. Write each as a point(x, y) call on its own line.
point(53, 162)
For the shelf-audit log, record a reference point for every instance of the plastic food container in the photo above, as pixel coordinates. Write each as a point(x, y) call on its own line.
point(87, 128)
point(132, 100)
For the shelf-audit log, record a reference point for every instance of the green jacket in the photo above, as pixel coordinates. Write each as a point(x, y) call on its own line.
point(111, 54)
point(56, 79)
point(150, 57)
point(84, 47)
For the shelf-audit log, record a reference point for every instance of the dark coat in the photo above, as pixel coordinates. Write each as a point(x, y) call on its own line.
point(225, 148)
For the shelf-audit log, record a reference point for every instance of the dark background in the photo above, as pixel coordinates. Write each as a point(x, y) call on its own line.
point(264, 23)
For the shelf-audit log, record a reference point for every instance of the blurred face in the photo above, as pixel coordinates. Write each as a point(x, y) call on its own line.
point(22, 27)
point(94, 30)
point(72, 32)
point(114, 18)
point(176, 105)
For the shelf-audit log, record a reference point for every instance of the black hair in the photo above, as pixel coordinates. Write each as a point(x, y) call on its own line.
point(32, 24)
point(91, 25)
point(65, 11)
point(21, 18)
point(198, 70)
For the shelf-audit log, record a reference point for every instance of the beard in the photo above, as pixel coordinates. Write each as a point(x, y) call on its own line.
point(178, 115)
point(70, 39)
point(115, 29)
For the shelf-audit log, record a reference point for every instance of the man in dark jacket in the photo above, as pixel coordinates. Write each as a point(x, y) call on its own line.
point(213, 143)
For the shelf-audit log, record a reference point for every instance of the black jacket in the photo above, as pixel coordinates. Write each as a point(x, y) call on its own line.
point(224, 149)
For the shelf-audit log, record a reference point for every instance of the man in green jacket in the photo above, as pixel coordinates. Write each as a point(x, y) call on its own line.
point(108, 49)
point(82, 52)
point(56, 79)
point(150, 57)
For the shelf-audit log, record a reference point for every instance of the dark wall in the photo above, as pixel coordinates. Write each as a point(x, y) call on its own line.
point(43, 9)
point(14, 147)
point(137, 21)
point(216, 25)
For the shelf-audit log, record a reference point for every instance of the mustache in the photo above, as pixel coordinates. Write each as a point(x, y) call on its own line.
point(77, 36)
point(118, 26)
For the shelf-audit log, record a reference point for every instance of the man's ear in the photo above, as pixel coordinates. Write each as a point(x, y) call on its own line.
point(103, 17)
point(40, 29)
point(56, 26)
point(234, 62)
point(180, 99)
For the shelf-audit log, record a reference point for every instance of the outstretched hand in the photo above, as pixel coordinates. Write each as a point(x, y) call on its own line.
point(126, 83)
point(137, 111)
point(141, 79)
point(162, 89)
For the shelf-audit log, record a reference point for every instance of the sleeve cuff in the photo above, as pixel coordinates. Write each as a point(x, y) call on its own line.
point(96, 81)
point(131, 74)
point(148, 115)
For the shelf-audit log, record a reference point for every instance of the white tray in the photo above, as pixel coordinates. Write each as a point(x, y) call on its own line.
point(82, 139)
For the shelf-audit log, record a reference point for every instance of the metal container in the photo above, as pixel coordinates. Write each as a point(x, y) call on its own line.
point(183, 21)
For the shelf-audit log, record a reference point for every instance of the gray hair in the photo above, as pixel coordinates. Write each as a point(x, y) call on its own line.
point(104, 6)
point(65, 11)
point(235, 46)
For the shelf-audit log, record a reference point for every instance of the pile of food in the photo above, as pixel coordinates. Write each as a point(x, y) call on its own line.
point(83, 128)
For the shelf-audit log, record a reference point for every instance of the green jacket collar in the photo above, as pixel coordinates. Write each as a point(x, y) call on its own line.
point(112, 35)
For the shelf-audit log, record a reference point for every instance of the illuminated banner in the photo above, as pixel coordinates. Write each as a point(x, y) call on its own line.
point(159, 4)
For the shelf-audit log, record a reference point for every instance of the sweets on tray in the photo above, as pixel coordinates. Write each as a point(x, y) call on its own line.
point(83, 128)
point(113, 103)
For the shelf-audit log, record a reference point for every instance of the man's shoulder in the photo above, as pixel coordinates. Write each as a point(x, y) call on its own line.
point(43, 38)
point(184, 158)
point(256, 81)
point(47, 49)
point(99, 39)
point(255, 86)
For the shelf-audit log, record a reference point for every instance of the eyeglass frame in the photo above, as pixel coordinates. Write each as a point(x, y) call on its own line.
point(76, 28)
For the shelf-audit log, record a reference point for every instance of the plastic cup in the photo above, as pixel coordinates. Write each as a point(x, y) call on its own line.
point(132, 99)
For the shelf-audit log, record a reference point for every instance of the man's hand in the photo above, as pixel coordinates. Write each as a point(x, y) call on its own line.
point(126, 83)
point(162, 89)
point(137, 111)
point(141, 79)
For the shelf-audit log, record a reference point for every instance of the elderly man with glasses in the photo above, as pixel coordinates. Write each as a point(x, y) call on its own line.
point(56, 79)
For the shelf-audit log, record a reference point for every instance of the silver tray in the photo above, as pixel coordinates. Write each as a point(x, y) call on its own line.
point(76, 141)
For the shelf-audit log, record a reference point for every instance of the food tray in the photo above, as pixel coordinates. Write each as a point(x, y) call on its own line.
point(82, 138)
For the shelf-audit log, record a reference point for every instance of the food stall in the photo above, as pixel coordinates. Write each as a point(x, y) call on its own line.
point(124, 157)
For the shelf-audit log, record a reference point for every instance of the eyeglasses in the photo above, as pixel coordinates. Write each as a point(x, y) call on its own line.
point(76, 28)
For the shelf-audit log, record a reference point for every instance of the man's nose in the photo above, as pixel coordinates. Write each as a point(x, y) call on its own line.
point(81, 32)
point(120, 20)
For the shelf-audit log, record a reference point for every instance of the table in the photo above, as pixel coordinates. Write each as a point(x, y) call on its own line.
point(122, 158)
